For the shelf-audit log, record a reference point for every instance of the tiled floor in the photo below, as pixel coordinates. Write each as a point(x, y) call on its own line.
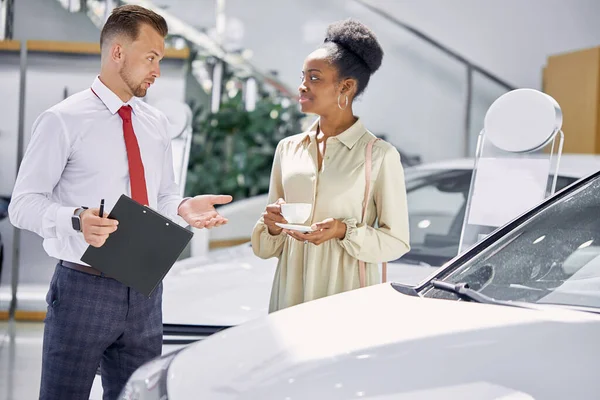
point(21, 360)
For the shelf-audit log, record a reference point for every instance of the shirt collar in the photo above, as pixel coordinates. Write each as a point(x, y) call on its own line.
point(312, 130)
point(110, 99)
point(349, 137)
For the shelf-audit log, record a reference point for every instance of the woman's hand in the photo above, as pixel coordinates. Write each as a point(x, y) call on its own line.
point(322, 231)
point(272, 215)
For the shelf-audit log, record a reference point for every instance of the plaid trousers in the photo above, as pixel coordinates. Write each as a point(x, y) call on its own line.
point(91, 321)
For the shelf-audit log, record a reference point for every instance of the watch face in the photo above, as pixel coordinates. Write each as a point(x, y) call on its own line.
point(76, 223)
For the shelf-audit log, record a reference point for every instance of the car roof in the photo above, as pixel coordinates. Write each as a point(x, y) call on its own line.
point(571, 165)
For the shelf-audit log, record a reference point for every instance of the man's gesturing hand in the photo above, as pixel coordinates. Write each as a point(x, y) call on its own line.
point(95, 229)
point(200, 211)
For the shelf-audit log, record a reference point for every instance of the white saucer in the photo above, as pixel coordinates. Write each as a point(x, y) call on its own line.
point(292, 227)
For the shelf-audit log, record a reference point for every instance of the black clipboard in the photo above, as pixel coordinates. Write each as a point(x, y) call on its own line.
point(142, 249)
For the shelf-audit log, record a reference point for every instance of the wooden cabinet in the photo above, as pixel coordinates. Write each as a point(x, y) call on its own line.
point(573, 79)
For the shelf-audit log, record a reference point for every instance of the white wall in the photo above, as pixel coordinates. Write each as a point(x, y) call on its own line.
point(511, 38)
point(47, 20)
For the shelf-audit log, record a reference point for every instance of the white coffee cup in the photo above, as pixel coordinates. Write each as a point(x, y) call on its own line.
point(296, 213)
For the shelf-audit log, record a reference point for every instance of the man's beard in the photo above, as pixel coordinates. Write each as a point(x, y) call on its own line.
point(138, 90)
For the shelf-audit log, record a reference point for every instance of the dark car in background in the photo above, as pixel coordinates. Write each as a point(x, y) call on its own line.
point(4, 201)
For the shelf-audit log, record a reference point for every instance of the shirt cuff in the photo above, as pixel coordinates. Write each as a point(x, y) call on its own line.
point(272, 238)
point(181, 202)
point(64, 226)
point(177, 218)
point(355, 235)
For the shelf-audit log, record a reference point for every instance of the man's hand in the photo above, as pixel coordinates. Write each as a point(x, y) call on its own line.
point(322, 231)
point(271, 215)
point(200, 211)
point(95, 229)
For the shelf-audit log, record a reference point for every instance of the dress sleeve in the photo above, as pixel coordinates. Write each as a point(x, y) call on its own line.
point(264, 244)
point(390, 240)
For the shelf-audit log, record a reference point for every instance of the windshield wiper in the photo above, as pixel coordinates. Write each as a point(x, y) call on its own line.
point(463, 291)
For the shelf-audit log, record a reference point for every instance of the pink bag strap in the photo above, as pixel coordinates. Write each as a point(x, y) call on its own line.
point(368, 166)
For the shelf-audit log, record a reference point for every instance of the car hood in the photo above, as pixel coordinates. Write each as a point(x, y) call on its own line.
point(230, 286)
point(225, 287)
point(376, 343)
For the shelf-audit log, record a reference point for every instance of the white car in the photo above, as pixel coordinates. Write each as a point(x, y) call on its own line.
point(230, 286)
point(514, 317)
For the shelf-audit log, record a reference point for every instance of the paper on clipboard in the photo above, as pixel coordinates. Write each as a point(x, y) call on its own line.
point(505, 188)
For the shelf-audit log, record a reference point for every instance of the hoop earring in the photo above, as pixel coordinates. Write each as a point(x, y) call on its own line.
point(345, 105)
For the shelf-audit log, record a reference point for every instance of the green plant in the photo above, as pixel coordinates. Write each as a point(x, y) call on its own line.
point(232, 150)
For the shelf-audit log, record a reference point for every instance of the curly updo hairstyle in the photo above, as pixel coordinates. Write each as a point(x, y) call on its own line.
point(354, 50)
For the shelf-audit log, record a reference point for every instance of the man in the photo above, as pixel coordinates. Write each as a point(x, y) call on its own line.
point(99, 144)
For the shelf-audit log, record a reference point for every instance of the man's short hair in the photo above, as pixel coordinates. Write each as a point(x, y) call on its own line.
point(126, 20)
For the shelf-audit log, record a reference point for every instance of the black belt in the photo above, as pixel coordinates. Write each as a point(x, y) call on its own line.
point(83, 268)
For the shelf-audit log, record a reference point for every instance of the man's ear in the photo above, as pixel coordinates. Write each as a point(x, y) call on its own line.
point(116, 52)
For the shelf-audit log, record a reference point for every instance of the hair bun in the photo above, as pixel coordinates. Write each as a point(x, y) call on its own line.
point(357, 38)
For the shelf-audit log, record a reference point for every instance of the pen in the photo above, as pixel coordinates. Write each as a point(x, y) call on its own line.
point(101, 212)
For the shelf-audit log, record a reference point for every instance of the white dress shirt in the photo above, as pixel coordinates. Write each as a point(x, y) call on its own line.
point(77, 156)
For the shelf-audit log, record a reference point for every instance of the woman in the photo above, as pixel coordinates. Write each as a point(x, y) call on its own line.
point(326, 167)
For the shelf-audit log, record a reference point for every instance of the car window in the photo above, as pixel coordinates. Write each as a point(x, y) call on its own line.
point(552, 258)
point(436, 205)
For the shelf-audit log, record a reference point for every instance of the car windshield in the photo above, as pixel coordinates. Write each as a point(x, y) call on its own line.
point(553, 257)
point(437, 202)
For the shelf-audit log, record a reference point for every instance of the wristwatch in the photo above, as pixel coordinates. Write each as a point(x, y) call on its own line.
point(76, 220)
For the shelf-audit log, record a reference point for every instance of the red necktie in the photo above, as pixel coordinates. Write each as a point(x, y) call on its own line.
point(136, 167)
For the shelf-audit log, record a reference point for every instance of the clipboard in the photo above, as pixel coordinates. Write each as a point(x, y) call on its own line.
point(142, 249)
